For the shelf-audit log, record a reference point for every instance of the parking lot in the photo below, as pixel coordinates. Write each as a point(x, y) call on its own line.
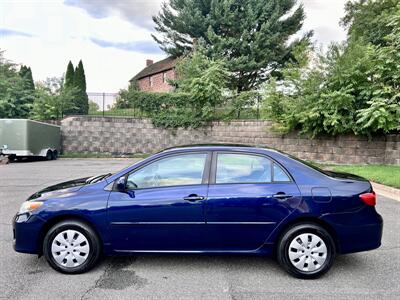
point(369, 275)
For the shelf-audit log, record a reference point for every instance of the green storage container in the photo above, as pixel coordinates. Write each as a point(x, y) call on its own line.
point(22, 138)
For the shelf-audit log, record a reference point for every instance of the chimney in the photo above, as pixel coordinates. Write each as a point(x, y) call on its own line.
point(149, 62)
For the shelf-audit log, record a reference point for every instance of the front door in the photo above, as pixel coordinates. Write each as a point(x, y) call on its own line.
point(164, 207)
point(248, 196)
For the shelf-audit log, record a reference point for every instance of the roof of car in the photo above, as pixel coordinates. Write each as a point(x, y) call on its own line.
point(210, 146)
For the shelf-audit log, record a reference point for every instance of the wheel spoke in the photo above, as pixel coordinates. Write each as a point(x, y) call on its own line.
point(83, 249)
point(60, 238)
point(70, 235)
point(57, 248)
point(70, 260)
point(304, 239)
point(310, 265)
point(314, 241)
point(80, 239)
point(60, 258)
point(295, 255)
point(300, 263)
point(319, 259)
point(80, 259)
point(320, 249)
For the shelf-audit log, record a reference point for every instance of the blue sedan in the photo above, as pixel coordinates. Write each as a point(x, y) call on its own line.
point(204, 199)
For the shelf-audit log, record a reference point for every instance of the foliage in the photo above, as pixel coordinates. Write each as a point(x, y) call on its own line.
point(16, 94)
point(52, 99)
point(81, 100)
point(251, 35)
point(354, 87)
point(26, 73)
point(200, 88)
point(93, 107)
point(69, 75)
point(368, 19)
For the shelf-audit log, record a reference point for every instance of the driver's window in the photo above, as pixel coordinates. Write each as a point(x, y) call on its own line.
point(183, 169)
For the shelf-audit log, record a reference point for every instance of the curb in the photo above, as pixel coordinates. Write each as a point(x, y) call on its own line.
point(386, 191)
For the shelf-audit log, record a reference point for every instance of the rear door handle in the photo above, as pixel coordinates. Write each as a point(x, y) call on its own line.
point(193, 197)
point(282, 196)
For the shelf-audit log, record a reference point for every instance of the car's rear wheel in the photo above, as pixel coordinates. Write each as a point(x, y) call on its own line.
point(71, 247)
point(306, 251)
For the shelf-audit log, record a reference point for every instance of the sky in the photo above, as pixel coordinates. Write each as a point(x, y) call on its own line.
point(113, 38)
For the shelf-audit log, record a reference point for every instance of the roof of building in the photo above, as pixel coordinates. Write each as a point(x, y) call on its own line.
point(157, 67)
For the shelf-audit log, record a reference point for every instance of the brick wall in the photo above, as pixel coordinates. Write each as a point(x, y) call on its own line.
point(158, 82)
point(128, 135)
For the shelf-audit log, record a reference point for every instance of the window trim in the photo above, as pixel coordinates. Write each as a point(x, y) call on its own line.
point(214, 160)
point(204, 180)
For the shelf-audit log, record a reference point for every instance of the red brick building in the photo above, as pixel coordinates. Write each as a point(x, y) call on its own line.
point(154, 77)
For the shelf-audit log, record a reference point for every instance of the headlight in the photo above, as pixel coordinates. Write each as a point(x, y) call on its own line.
point(29, 206)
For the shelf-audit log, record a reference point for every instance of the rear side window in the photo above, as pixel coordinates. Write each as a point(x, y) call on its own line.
point(242, 168)
point(245, 168)
point(280, 175)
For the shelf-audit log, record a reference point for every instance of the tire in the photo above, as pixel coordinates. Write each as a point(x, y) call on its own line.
point(82, 247)
point(49, 155)
point(55, 154)
point(295, 251)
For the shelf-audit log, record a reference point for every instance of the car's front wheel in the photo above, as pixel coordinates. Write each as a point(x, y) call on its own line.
point(71, 247)
point(306, 251)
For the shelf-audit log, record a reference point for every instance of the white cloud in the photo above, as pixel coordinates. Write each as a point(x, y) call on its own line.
point(323, 17)
point(61, 33)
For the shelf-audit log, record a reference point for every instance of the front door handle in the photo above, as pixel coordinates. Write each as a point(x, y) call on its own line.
point(193, 197)
point(282, 196)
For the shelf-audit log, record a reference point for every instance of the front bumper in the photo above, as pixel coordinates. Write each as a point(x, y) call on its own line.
point(26, 233)
point(358, 231)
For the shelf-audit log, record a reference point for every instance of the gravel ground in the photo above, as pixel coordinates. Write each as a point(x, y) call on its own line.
point(368, 275)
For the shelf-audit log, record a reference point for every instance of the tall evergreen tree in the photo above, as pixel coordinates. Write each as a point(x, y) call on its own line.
point(26, 73)
point(80, 83)
point(69, 75)
point(251, 35)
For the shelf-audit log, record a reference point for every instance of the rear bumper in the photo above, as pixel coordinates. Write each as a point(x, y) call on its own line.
point(26, 233)
point(358, 231)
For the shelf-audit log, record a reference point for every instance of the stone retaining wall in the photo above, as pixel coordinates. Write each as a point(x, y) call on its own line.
point(129, 135)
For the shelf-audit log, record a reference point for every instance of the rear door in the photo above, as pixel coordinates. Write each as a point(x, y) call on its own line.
point(248, 196)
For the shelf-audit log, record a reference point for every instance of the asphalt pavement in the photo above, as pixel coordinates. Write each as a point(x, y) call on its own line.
point(367, 275)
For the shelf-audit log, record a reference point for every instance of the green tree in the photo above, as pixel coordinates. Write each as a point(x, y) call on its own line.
point(251, 35)
point(353, 88)
point(93, 106)
point(52, 99)
point(82, 100)
point(75, 80)
point(69, 75)
point(26, 73)
point(368, 20)
point(15, 95)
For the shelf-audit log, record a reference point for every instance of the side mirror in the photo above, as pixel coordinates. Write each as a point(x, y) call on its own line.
point(120, 185)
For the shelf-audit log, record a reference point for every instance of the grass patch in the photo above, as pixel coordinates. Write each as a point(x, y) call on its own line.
point(102, 155)
point(384, 174)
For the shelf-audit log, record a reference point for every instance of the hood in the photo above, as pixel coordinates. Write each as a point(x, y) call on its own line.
point(60, 188)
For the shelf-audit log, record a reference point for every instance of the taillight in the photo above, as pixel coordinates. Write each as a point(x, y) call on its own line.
point(369, 198)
